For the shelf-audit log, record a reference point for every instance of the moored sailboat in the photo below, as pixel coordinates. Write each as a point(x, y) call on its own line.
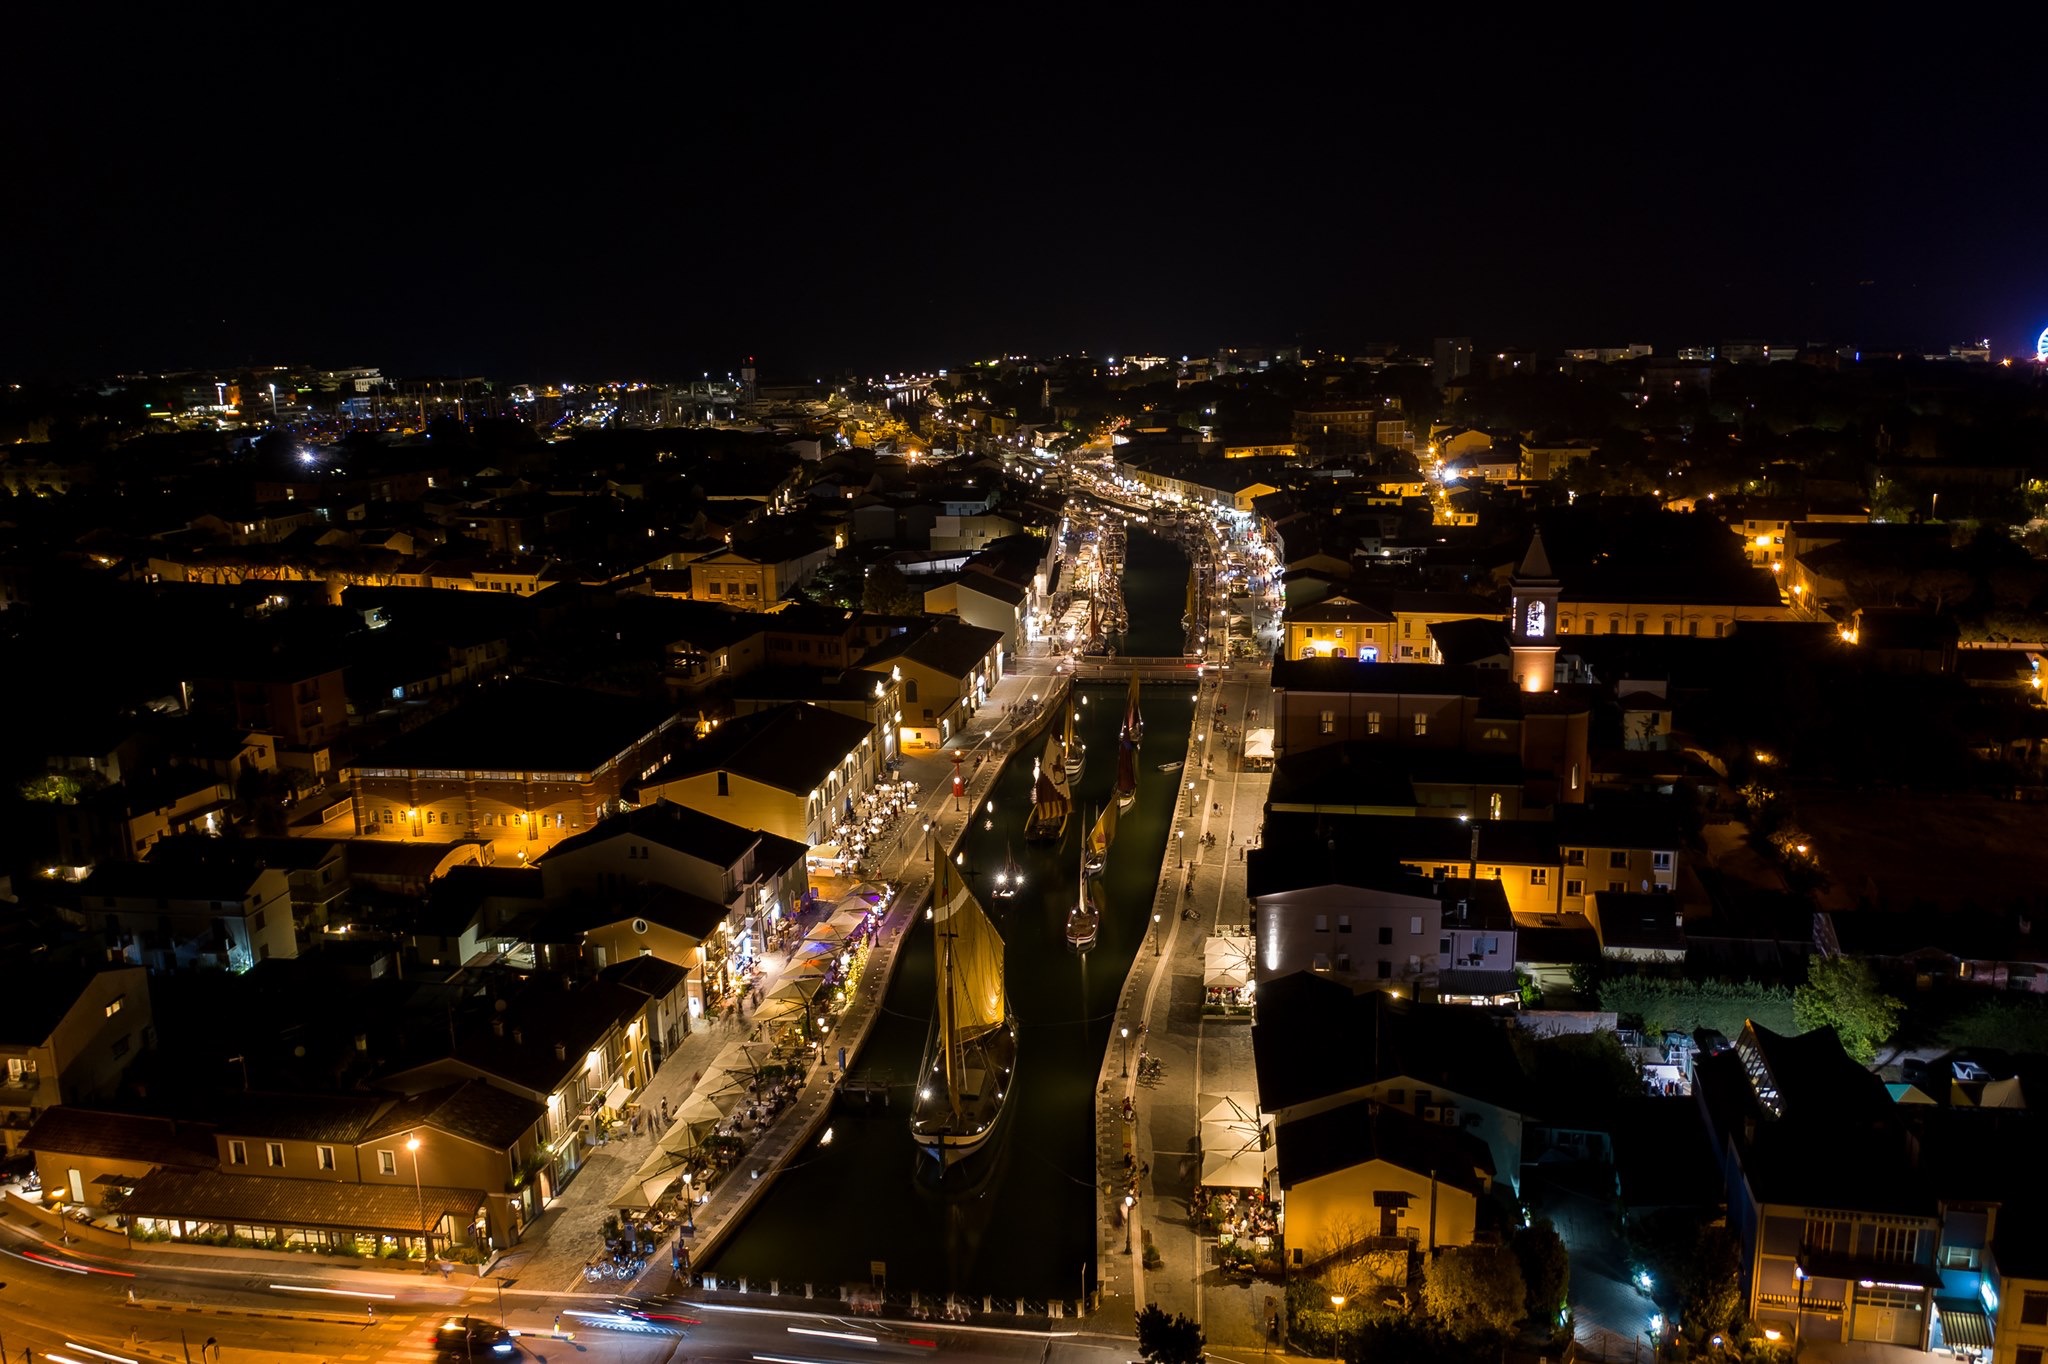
point(1076, 751)
point(969, 1062)
point(1009, 877)
point(1052, 800)
point(1099, 839)
point(1083, 920)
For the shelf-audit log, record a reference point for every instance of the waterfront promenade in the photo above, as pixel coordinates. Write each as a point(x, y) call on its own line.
point(1162, 1006)
point(570, 1232)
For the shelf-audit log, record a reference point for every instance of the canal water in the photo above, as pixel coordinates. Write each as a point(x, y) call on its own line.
point(1022, 1222)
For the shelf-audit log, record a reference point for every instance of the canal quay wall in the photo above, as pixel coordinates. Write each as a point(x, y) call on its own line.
point(905, 868)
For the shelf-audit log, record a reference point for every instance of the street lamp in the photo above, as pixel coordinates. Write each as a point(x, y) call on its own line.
point(1155, 934)
point(1337, 1322)
point(412, 1144)
point(1127, 1052)
point(1180, 843)
point(1129, 1202)
point(927, 840)
point(689, 1205)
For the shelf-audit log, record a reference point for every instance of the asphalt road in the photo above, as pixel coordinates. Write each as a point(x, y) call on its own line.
point(72, 1308)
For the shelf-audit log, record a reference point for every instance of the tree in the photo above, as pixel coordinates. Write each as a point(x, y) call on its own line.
point(1844, 995)
point(1167, 1339)
point(888, 593)
point(1713, 1294)
point(1546, 1271)
point(1475, 1289)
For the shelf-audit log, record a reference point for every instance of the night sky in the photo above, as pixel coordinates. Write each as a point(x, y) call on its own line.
point(544, 198)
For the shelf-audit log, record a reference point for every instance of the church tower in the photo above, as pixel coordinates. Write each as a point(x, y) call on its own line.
point(1532, 620)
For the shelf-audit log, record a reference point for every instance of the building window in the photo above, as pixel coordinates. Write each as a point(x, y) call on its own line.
point(1575, 887)
point(1415, 925)
point(2025, 1354)
point(1660, 861)
point(238, 1153)
point(114, 1005)
point(1493, 806)
point(1421, 725)
point(2034, 1309)
point(1322, 923)
point(387, 1162)
point(1344, 962)
point(325, 1156)
point(1618, 860)
point(1385, 969)
point(274, 1152)
point(1539, 876)
point(1386, 935)
point(1575, 857)
point(1372, 722)
point(258, 921)
point(1616, 887)
point(724, 786)
point(1897, 1243)
point(1343, 923)
point(1329, 722)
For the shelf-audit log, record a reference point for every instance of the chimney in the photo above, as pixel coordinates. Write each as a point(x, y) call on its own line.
point(561, 1052)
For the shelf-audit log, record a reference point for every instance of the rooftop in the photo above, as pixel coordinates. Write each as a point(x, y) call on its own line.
point(672, 826)
point(526, 725)
point(790, 748)
point(1356, 1133)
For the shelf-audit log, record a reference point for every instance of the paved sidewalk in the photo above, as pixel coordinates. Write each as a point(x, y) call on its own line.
point(1164, 997)
point(570, 1232)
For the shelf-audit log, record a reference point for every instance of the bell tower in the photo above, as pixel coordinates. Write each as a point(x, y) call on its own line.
point(1532, 620)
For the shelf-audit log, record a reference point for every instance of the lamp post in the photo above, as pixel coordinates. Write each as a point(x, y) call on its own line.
point(927, 840)
point(1337, 1321)
point(412, 1144)
point(1180, 844)
point(1127, 1053)
point(1155, 934)
point(689, 1205)
point(1129, 1202)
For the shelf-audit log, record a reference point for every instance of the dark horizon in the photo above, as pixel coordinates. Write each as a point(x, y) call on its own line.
point(654, 204)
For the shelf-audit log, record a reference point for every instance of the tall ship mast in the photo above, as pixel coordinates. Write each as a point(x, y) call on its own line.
point(1084, 920)
point(1052, 800)
point(1127, 750)
point(971, 1055)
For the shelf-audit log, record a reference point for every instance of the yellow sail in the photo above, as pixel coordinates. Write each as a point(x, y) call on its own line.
point(1104, 832)
point(978, 1003)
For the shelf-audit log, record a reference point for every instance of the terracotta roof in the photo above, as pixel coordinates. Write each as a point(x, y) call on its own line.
point(99, 1135)
point(268, 1201)
point(473, 1110)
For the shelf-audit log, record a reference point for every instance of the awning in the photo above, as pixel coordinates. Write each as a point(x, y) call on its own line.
point(1258, 743)
point(1963, 1325)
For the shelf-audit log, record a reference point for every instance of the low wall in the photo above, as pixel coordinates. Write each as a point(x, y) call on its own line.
point(62, 1228)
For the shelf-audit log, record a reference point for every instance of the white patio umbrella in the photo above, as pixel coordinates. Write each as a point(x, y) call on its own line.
point(1228, 1106)
point(1244, 1170)
point(774, 1010)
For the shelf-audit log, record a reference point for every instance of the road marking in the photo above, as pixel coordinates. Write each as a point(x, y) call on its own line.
point(811, 1331)
point(335, 1292)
